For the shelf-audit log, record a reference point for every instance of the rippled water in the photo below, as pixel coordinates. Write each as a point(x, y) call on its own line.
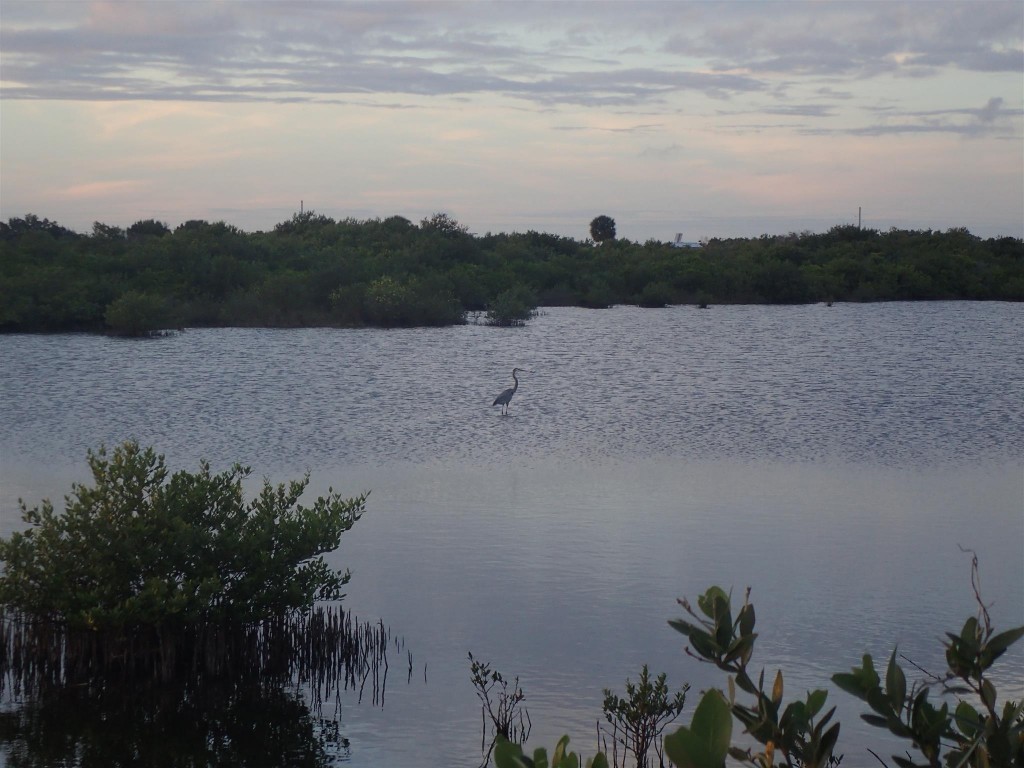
point(832, 458)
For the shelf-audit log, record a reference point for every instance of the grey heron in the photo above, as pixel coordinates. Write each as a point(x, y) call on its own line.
point(504, 398)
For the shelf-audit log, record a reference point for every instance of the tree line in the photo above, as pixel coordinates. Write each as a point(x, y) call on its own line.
point(312, 270)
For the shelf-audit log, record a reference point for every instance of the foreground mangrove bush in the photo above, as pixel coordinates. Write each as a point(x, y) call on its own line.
point(143, 547)
point(149, 580)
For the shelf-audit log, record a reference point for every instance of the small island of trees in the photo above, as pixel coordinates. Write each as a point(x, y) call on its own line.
point(312, 270)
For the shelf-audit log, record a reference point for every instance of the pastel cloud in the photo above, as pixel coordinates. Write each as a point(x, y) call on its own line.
point(664, 114)
point(100, 189)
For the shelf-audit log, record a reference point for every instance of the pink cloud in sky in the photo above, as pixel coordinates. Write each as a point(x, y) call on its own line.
point(101, 189)
point(724, 118)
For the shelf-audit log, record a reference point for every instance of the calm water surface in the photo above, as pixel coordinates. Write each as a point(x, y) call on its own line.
point(834, 459)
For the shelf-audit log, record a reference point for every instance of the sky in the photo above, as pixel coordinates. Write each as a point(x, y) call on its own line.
point(716, 119)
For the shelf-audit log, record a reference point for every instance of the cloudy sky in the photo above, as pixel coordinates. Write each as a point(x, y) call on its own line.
point(711, 119)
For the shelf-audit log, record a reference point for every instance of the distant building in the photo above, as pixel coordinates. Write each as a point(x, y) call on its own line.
point(680, 243)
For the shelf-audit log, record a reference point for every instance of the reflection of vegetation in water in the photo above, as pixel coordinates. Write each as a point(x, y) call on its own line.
point(251, 725)
point(268, 703)
point(326, 649)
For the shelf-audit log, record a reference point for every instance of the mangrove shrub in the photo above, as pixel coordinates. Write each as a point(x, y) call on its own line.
point(977, 731)
point(512, 308)
point(142, 546)
point(638, 720)
point(138, 314)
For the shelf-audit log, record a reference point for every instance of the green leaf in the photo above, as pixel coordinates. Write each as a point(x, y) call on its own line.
point(849, 682)
point(556, 756)
point(858, 682)
point(746, 619)
point(988, 694)
point(895, 683)
point(937, 725)
point(508, 754)
point(744, 683)
point(1013, 711)
point(998, 644)
point(710, 601)
point(828, 743)
point(705, 743)
point(683, 627)
point(968, 721)
point(704, 645)
point(724, 632)
point(815, 701)
point(741, 648)
point(970, 635)
point(794, 716)
point(879, 702)
point(562, 757)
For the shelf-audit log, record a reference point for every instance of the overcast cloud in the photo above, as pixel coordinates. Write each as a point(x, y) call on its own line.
point(714, 118)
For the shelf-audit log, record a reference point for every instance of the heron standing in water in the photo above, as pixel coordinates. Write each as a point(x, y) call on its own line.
point(504, 398)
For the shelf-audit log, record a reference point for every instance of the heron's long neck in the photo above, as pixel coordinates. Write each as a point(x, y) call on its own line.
point(516, 381)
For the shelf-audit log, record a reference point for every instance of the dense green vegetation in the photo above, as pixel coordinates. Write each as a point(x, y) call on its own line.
point(141, 546)
point(162, 619)
point(174, 578)
point(314, 271)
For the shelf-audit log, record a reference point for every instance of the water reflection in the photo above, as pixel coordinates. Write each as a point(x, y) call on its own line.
point(186, 693)
point(227, 725)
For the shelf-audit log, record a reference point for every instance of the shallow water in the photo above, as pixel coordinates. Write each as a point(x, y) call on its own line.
point(834, 459)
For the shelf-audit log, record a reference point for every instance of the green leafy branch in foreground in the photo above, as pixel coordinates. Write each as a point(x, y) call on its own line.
point(967, 737)
point(975, 733)
point(795, 733)
point(977, 736)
